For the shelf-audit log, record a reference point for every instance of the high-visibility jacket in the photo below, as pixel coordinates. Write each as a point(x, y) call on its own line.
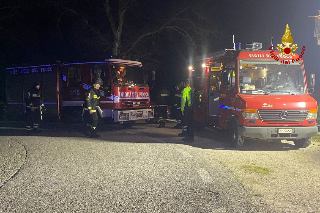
point(92, 99)
point(187, 97)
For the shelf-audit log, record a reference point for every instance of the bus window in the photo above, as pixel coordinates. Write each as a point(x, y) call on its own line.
point(74, 77)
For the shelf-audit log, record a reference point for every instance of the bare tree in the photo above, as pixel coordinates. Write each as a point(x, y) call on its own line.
point(185, 22)
point(116, 22)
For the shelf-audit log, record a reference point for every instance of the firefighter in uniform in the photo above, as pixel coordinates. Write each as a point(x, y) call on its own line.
point(162, 103)
point(91, 108)
point(187, 111)
point(177, 105)
point(34, 106)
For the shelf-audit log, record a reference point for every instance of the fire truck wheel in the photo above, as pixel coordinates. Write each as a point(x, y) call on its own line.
point(235, 139)
point(302, 143)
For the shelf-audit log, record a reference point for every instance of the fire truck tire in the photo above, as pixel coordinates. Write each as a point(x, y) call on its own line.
point(302, 143)
point(235, 139)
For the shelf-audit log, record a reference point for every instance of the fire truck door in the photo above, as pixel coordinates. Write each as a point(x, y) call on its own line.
point(227, 97)
point(214, 93)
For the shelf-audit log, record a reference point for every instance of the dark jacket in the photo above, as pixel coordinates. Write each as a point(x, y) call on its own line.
point(163, 97)
point(92, 99)
point(34, 98)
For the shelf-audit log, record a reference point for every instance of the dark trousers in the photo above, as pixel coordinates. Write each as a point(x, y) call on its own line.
point(91, 120)
point(33, 118)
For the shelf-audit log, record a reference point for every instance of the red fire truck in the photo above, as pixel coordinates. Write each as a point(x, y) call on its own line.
point(124, 96)
point(256, 93)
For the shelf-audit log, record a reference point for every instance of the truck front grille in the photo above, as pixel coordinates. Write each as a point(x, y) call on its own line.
point(135, 103)
point(282, 115)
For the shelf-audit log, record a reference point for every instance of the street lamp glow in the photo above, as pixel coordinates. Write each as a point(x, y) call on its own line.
point(190, 68)
point(203, 65)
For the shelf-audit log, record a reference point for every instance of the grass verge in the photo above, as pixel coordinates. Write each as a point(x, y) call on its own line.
point(257, 169)
point(316, 138)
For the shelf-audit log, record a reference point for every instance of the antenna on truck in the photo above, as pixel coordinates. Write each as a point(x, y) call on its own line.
point(236, 46)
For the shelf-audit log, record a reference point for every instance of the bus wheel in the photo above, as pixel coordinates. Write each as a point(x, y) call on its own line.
point(235, 139)
point(302, 143)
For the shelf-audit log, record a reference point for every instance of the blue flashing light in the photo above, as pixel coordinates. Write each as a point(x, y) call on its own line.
point(225, 107)
point(254, 46)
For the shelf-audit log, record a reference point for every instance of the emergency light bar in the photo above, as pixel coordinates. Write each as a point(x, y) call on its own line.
point(254, 46)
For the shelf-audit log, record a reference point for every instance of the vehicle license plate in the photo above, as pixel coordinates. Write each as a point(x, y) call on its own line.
point(284, 130)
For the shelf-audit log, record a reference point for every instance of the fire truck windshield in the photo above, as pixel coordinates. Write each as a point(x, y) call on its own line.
point(128, 75)
point(271, 78)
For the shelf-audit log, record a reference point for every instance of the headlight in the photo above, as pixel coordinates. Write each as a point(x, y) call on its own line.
point(250, 114)
point(123, 116)
point(312, 114)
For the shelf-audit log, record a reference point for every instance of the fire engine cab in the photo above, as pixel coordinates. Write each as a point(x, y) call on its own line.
point(255, 93)
point(124, 93)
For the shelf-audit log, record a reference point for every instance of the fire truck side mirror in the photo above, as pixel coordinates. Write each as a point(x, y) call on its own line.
point(312, 83)
point(312, 80)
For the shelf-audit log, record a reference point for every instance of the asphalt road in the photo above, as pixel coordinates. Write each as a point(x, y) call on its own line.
point(138, 169)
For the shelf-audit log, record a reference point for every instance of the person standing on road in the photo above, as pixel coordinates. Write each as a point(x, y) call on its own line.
point(91, 107)
point(187, 111)
point(162, 104)
point(34, 106)
point(177, 105)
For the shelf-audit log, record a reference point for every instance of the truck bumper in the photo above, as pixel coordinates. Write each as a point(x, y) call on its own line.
point(132, 115)
point(278, 132)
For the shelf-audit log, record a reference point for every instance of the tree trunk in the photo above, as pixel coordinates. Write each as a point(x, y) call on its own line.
point(117, 44)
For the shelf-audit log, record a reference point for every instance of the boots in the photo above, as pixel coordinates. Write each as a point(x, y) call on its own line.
point(184, 132)
point(94, 134)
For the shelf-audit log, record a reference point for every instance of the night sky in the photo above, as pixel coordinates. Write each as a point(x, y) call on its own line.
point(38, 32)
